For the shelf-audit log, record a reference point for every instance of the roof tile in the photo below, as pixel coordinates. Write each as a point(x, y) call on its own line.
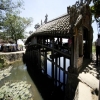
point(59, 24)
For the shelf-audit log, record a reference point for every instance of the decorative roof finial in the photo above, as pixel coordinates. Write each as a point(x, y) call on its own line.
point(81, 2)
point(37, 26)
point(41, 22)
point(46, 18)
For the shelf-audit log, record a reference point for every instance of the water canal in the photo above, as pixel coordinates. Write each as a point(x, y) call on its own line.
point(42, 88)
point(19, 73)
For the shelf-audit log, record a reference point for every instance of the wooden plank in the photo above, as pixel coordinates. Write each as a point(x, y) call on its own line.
point(55, 56)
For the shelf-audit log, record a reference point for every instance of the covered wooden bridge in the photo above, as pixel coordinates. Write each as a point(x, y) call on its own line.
point(68, 36)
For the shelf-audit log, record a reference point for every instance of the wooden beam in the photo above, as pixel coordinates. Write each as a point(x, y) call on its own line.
point(64, 54)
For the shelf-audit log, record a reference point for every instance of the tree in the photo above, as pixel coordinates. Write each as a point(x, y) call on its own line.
point(14, 26)
point(95, 9)
point(11, 24)
point(8, 6)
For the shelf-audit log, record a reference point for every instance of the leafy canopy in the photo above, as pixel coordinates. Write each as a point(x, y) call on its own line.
point(15, 26)
point(95, 9)
point(11, 24)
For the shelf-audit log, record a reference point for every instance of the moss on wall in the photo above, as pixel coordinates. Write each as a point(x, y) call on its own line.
point(6, 59)
point(1, 62)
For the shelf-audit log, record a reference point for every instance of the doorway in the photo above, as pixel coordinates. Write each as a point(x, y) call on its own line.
point(86, 43)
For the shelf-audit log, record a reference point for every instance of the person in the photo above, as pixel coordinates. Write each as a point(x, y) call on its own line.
point(97, 49)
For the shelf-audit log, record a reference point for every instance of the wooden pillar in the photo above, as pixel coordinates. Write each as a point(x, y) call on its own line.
point(45, 62)
point(45, 70)
point(59, 59)
point(73, 58)
point(43, 44)
point(80, 45)
point(47, 41)
point(39, 59)
point(64, 67)
point(29, 56)
point(59, 69)
point(56, 71)
point(90, 44)
point(76, 50)
point(61, 40)
point(72, 54)
point(52, 68)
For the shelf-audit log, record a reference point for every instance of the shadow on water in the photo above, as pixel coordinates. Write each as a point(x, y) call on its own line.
point(44, 83)
point(19, 73)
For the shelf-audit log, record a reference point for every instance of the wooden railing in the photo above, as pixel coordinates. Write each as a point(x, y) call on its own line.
point(55, 50)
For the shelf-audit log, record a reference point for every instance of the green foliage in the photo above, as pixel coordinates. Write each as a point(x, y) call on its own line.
point(8, 6)
point(1, 63)
point(93, 49)
point(11, 24)
point(95, 9)
point(14, 26)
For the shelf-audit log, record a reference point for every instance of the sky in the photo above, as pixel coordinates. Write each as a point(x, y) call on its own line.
point(37, 9)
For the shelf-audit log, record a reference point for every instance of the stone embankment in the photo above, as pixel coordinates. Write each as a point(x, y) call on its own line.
point(7, 58)
point(88, 87)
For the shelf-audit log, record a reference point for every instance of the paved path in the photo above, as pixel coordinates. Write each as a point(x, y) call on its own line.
point(2, 53)
point(89, 81)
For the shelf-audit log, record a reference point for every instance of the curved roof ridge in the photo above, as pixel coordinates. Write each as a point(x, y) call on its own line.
point(57, 17)
point(51, 21)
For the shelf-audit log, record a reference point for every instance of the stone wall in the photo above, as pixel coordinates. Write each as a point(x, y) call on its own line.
point(9, 58)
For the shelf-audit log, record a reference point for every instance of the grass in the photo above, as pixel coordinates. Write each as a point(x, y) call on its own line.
point(93, 49)
point(1, 65)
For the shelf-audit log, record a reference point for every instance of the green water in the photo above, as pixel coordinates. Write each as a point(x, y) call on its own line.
point(19, 73)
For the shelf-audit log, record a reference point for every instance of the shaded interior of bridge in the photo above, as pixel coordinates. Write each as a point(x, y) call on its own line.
point(45, 84)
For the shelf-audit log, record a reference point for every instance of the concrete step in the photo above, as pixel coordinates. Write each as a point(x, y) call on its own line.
point(83, 92)
point(89, 80)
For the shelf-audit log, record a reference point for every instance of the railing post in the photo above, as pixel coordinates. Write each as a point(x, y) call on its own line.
point(99, 89)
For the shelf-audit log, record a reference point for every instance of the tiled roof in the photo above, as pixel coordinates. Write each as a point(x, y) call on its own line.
point(58, 24)
point(55, 27)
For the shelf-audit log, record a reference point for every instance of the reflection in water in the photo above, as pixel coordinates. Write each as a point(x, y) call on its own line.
point(49, 67)
point(19, 73)
point(61, 76)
